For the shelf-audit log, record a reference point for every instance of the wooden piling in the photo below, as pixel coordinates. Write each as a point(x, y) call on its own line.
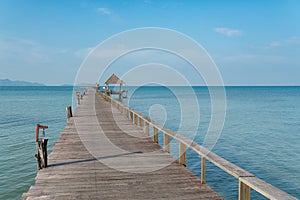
point(69, 112)
point(42, 156)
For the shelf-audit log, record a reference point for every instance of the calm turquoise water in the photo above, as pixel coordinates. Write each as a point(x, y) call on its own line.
point(21, 109)
point(261, 132)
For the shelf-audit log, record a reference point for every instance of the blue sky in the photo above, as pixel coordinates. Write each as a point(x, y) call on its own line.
point(252, 42)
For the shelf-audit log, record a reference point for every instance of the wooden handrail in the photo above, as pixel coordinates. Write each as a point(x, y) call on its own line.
point(37, 131)
point(246, 179)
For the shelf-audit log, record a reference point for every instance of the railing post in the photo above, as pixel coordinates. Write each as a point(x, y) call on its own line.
point(135, 119)
point(78, 99)
point(203, 170)
point(147, 128)
point(141, 122)
point(166, 142)
point(244, 191)
point(182, 154)
point(155, 134)
point(131, 115)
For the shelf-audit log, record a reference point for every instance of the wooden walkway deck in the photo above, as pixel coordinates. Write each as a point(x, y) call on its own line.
point(83, 165)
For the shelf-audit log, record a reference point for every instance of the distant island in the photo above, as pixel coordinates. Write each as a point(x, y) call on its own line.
point(7, 82)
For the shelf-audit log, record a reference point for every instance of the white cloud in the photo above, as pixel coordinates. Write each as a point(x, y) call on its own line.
point(280, 43)
point(82, 53)
point(12, 48)
point(104, 11)
point(252, 59)
point(228, 32)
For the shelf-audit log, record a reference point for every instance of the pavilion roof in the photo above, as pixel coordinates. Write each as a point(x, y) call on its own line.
point(114, 79)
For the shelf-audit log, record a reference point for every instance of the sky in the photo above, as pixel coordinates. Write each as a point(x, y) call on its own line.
point(253, 42)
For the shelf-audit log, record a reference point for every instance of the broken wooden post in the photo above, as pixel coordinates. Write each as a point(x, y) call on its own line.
point(69, 111)
point(41, 154)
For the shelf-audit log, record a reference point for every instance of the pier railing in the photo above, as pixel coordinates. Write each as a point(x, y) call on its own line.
point(246, 180)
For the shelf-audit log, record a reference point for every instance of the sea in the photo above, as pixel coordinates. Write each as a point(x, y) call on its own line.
point(261, 132)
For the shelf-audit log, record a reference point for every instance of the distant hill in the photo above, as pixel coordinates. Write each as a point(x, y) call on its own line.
point(67, 85)
point(7, 82)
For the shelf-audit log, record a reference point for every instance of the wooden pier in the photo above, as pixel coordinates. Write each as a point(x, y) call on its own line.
point(76, 172)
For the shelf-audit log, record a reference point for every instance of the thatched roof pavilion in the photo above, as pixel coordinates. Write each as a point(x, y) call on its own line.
point(114, 79)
